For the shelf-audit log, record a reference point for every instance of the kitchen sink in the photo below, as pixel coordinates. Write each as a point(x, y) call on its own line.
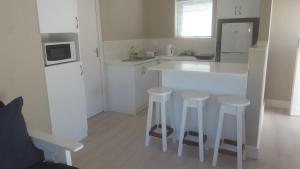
point(137, 59)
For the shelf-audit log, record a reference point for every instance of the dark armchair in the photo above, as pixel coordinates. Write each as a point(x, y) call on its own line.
point(26, 149)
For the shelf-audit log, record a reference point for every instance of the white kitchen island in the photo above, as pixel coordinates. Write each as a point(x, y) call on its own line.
point(215, 78)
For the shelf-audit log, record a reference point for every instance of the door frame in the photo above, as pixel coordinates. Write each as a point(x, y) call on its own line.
point(101, 54)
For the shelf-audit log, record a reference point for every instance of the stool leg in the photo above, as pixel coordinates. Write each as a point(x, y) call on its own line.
point(164, 125)
point(157, 113)
point(182, 128)
point(239, 139)
point(149, 121)
point(218, 137)
point(200, 131)
point(244, 136)
point(172, 118)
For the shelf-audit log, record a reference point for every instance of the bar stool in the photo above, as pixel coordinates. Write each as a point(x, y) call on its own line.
point(159, 95)
point(239, 104)
point(193, 99)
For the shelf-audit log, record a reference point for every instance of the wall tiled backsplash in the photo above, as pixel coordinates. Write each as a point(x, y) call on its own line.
point(119, 49)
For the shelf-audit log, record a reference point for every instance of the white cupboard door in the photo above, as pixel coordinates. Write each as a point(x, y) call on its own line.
point(234, 57)
point(238, 9)
point(227, 9)
point(57, 16)
point(67, 100)
point(90, 55)
point(145, 79)
point(249, 8)
point(236, 37)
point(295, 106)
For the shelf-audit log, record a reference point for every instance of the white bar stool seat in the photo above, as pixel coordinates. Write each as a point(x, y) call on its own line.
point(160, 96)
point(193, 99)
point(239, 104)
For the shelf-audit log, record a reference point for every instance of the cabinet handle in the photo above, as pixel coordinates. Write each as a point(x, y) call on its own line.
point(81, 70)
point(143, 70)
point(97, 52)
point(77, 22)
point(240, 11)
point(235, 10)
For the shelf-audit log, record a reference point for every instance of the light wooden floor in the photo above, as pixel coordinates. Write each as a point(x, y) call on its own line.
point(116, 141)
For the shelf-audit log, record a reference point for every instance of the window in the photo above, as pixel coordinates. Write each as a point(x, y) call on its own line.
point(194, 18)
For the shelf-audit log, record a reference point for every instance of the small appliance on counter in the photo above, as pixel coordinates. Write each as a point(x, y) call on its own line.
point(59, 52)
point(170, 50)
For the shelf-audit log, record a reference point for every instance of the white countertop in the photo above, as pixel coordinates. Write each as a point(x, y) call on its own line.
point(171, 58)
point(203, 67)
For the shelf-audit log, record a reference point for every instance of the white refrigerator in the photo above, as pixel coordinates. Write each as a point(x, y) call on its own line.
point(236, 41)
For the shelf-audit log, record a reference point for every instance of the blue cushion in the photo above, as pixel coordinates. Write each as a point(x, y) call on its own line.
point(16, 148)
point(1, 104)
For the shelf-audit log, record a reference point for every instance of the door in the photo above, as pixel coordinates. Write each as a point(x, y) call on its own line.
point(66, 95)
point(57, 16)
point(90, 55)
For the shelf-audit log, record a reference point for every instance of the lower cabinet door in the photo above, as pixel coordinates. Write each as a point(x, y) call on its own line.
point(145, 79)
point(67, 102)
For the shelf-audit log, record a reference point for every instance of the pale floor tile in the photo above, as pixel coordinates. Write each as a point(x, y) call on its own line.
point(116, 141)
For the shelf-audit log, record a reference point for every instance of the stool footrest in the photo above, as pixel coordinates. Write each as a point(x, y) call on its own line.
point(193, 142)
point(230, 152)
point(153, 132)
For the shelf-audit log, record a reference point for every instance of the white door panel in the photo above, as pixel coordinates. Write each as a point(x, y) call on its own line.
point(66, 96)
point(57, 16)
point(226, 8)
point(236, 37)
point(234, 57)
point(295, 106)
point(88, 39)
point(250, 8)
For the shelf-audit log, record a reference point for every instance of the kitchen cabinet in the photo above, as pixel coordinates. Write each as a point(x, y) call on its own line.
point(234, 57)
point(127, 86)
point(57, 16)
point(295, 101)
point(238, 9)
point(67, 103)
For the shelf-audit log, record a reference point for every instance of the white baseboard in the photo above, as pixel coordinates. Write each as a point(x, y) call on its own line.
point(278, 103)
point(252, 152)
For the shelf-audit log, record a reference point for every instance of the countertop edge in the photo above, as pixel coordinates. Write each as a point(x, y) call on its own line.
point(190, 71)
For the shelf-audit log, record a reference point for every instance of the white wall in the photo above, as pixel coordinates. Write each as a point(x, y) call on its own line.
point(122, 20)
point(21, 62)
point(285, 29)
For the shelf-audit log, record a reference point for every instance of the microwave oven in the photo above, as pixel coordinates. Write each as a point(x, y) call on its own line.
point(59, 52)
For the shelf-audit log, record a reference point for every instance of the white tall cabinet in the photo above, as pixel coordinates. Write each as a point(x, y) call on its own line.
point(238, 9)
point(66, 95)
point(57, 16)
point(295, 104)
